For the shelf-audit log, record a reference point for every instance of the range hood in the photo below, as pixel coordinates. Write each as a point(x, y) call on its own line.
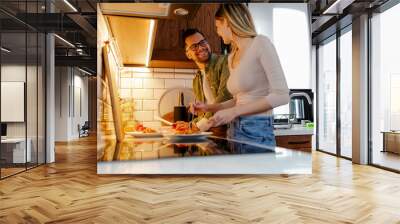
point(134, 27)
point(134, 37)
point(151, 10)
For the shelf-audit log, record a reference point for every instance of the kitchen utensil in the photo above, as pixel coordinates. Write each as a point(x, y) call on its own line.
point(163, 120)
point(182, 102)
point(180, 112)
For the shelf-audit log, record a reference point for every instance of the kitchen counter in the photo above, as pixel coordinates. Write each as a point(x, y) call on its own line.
point(295, 130)
point(210, 156)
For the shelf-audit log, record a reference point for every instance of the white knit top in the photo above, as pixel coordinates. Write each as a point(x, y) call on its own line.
point(259, 74)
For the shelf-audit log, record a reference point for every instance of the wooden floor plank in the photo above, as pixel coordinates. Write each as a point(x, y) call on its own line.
point(70, 191)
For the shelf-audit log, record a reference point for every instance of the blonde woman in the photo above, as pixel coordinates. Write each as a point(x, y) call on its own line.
point(257, 82)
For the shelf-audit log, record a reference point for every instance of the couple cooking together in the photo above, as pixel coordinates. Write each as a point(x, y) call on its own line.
point(235, 93)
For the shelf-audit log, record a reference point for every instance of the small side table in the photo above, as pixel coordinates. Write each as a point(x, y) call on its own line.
point(391, 141)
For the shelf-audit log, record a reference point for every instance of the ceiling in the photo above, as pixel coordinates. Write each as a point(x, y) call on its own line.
point(330, 16)
point(22, 49)
point(77, 26)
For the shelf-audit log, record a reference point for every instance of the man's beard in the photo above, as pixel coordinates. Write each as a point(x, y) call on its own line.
point(204, 59)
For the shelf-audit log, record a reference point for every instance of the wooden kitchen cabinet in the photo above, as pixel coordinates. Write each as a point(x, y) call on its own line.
point(391, 142)
point(297, 142)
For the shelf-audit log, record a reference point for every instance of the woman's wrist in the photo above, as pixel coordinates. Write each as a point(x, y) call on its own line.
point(213, 107)
point(235, 111)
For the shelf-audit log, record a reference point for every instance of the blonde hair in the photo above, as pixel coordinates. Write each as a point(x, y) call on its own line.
point(239, 19)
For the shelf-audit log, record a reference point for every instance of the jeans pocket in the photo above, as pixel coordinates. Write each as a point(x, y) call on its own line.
point(260, 131)
point(252, 130)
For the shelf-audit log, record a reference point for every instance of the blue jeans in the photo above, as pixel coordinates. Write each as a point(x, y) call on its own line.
point(253, 129)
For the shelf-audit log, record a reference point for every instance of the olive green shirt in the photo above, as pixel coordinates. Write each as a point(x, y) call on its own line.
point(217, 74)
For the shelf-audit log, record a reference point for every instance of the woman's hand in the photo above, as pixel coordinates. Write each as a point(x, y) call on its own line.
point(223, 117)
point(197, 107)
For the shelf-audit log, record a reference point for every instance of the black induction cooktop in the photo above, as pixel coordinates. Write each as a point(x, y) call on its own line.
point(149, 149)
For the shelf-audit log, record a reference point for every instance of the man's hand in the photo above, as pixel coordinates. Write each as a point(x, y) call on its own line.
point(223, 117)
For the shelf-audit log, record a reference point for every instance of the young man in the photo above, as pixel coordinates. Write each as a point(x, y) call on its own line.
point(209, 84)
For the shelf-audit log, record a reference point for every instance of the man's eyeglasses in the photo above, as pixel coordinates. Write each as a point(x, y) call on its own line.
point(195, 47)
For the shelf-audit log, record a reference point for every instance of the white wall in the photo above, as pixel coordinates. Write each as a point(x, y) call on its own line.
point(80, 83)
point(12, 73)
point(288, 27)
point(145, 86)
point(68, 81)
point(61, 103)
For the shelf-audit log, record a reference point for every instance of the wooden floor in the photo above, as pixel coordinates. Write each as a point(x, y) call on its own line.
point(387, 159)
point(10, 171)
point(5, 172)
point(70, 191)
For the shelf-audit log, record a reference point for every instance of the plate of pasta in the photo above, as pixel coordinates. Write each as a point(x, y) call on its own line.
point(183, 130)
point(141, 131)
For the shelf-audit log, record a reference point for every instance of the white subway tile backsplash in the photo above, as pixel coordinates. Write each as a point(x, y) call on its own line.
point(159, 83)
point(181, 70)
point(163, 75)
point(171, 70)
point(125, 93)
point(171, 83)
point(138, 69)
point(184, 76)
point(153, 83)
point(150, 104)
point(147, 85)
point(158, 93)
point(142, 93)
point(189, 84)
point(137, 83)
point(144, 115)
point(126, 74)
point(152, 124)
point(125, 83)
point(141, 75)
point(138, 105)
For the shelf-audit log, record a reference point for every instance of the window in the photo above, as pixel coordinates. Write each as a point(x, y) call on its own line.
point(385, 87)
point(22, 66)
point(327, 96)
point(346, 93)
